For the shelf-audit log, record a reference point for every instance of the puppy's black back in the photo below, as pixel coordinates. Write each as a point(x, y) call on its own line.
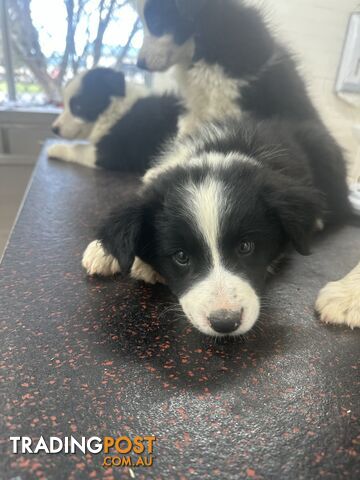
point(134, 141)
point(279, 90)
point(302, 150)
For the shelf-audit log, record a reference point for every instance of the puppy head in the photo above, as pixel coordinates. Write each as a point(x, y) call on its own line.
point(211, 233)
point(86, 97)
point(168, 32)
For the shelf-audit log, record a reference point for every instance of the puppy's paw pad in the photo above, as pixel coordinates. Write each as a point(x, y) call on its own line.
point(58, 151)
point(339, 303)
point(97, 261)
point(142, 271)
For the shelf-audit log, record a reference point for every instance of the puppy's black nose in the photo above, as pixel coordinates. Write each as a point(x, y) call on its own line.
point(141, 63)
point(223, 321)
point(56, 130)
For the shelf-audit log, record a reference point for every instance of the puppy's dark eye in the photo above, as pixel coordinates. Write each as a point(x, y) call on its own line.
point(245, 248)
point(181, 258)
point(75, 107)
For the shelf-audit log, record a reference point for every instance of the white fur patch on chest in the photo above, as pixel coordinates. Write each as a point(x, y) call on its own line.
point(118, 107)
point(209, 95)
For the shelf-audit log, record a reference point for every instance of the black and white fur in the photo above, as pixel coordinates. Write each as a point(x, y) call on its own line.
point(218, 209)
point(227, 61)
point(124, 124)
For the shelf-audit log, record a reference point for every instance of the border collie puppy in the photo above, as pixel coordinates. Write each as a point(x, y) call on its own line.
point(124, 125)
point(228, 62)
point(218, 209)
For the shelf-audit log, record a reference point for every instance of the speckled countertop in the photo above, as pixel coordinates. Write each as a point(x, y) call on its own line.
point(98, 357)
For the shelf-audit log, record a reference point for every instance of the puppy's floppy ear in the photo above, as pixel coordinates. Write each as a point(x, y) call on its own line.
point(189, 9)
point(116, 83)
point(120, 234)
point(108, 79)
point(297, 207)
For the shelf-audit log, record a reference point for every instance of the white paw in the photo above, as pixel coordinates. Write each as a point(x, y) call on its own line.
point(59, 151)
point(339, 303)
point(142, 271)
point(97, 261)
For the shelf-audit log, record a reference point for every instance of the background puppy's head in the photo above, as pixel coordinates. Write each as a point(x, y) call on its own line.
point(168, 31)
point(212, 232)
point(86, 97)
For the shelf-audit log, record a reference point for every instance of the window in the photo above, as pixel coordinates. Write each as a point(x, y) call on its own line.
point(349, 72)
point(45, 43)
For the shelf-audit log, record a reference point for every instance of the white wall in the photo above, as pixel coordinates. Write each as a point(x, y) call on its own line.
point(315, 30)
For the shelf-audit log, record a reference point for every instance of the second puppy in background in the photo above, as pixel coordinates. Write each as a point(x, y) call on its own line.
point(124, 124)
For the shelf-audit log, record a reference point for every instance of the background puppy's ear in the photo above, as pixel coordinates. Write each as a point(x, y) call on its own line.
point(298, 208)
point(120, 235)
point(190, 8)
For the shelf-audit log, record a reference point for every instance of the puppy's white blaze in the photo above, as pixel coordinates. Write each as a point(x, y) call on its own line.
point(71, 127)
point(205, 203)
point(72, 87)
point(220, 290)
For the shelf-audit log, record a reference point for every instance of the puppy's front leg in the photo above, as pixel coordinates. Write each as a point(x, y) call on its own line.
point(97, 261)
point(143, 271)
point(83, 154)
point(339, 302)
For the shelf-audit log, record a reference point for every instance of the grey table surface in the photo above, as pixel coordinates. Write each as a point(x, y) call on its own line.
point(85, 357)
